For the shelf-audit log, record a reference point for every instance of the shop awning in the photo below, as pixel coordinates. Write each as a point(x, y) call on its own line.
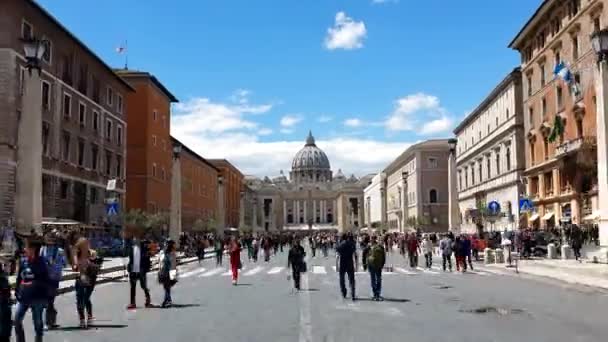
point(592, 217)
point(547, 216)
point(534, 217)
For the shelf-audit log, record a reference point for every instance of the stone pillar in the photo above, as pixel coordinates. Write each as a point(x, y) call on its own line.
point(361, 212)
point(221, 222)
point(175, 217)
point(556, 182)
point(242, 211)
point(314, 211)
point(297, 216)
point(453, 211)
point(255, 213)
point(29, 157)
point(541, 185)
point(405, 208)
point(602, 148)
point(305, 212)
point(575, 211)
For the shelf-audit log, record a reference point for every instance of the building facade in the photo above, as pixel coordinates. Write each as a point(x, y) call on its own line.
point(490, 159)
point(417, 188)
point(232, 180)
point(83, 118)
point(561, 171)
point(312, 198)
point(374, 196)
point(149, 148)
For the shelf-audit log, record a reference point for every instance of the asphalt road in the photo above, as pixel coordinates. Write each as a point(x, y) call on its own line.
point(420, 306)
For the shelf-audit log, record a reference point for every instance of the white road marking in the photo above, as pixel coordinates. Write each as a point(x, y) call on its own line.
point(426, 270)
point(305, 321)
point(191, 273)
point(319, 270)
point(212, 272)
point(275, 270)
point(404, 271)
point(254, 270)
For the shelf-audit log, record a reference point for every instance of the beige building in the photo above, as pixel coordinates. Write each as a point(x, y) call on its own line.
point(561, 173)
point(417, 188)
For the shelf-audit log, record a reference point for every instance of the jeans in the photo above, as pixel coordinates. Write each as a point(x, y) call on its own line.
point(428, 257)
point(83, 299)
point(143, 283)
point(413, 259)
point(461, 262)
point(167, 286)
point(350, 271)
point(295, 272)
point(314, 252)
point(20, 312)
point(218, 258)
point(375, 275)
point(470, 261)
point(447, 258)
point(6, 320)
point(51, 313)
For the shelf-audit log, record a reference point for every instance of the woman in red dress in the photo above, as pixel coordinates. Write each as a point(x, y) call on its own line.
point(235, 258)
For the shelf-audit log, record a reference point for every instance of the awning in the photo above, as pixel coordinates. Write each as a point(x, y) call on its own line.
point(534, 217)
point(547, 216)
point(592, 217)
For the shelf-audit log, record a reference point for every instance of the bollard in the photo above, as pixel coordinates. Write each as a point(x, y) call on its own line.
point(566, 252)
point(488, 256)
point(551, 251)
point(499, 257)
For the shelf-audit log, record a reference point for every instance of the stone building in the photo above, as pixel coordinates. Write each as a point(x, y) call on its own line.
point(561, 173)
point(231, 186)
point(417, 188)
point(490, 158)
point(313, 197)
point(81, 101)
point(375, 203)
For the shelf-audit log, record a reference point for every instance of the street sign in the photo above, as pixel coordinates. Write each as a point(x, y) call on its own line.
point(112, 209)
point(494, 208)
point(111, 185)
point(525, 205)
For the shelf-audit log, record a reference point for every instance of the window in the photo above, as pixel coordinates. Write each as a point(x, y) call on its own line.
point(432, 163)
point(579, 128)
point(153, 169)
point(63, 189)
point(119, 103)
point(109, 96)
point(479, 166)
point(543, 107)
point(508, 156)
point(118, 166)
point(96, 90)
point(27, 30)
point(542, 75)
point(154, 115)
point(497, 162)
point(162, 176)
point(45, 138)
point(573, 7)
point(80, 152)
point(82, 114)
point(94, 195)
point(497, 122)
point(108, 129)
point(94, 156)
point(46, 95)
point(83, 79)
point(472, 174)
point(22, 81)
point(119, 135)
point(65, 146)
point(558, 57)
point(529, 82)
point(48, 50)
point(546, 147)
point(556, 25)
point(108, 163)
point(489, 166)
point(488, 129)
point(560, 97)
point(532, 154)
point(574, 47)
point(96, 121)
point(153, 140)
point(67, 106)
point(433, 196)
point(466, 177)
point(66, 67)
point(479, 135)
point(597, 25)
point(460, 180)
point(508, 114)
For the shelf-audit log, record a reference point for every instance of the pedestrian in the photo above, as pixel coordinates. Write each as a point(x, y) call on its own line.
point(138, 268)
point(467, 246)
point(295, 260)
point(375, 264)
point(81, 256)
point(234, 249)
point(427, 250)
point(256, 248)
point(347, 263)
point(365, 247)
point(6, 321)
point(219, 251)
point(200, 250)
point(56, 260)
point(313, 245)
point(32, 289)
point(445, 247)
point(266, 245)
point(167, 275)
point(412, 250)
point(459, 252)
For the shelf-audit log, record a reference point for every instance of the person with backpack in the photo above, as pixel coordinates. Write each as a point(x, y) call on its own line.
point(375, 264)
point(85, 263)
point(167, 274)
point(56, 261)
point(295, 260)
point(33, 288)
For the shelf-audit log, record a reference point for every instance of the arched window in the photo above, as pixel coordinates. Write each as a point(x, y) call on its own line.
point(433, 196)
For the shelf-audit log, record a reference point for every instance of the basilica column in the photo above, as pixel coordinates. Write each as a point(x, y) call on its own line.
point(305, 211)
point(314, 211)
point(297, 217)
point(323, 214)
point(284, 212)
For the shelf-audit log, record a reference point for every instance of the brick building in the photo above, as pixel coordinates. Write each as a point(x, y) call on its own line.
point(233, 185)
point(199, 187)
point(560, 173)
point(83, 113)
point(148, 143)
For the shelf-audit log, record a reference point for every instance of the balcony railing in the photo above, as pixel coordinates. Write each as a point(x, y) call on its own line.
point(568, 147)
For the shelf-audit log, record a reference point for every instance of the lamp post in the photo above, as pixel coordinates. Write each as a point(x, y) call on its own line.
point(599, 42)
point(175, 218)
point(453, 211)
point(221, 205)
point(29, 152)
point(404, 200)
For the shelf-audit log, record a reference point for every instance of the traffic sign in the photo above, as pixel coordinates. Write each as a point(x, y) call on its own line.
point(111, 186)
point(494, 208)
point(112, 209)
point(525, 205)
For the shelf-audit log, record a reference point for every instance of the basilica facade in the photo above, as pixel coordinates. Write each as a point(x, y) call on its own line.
point(313, 197)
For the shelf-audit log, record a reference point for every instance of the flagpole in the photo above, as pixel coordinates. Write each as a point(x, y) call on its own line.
point(126, 56)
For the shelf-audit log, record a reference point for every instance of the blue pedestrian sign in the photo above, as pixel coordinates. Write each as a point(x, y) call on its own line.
point(494, 208)
point(525, 205)
point(112, 209)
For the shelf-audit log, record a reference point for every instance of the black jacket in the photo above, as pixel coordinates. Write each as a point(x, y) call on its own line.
point(144, 262)
point(296, 257)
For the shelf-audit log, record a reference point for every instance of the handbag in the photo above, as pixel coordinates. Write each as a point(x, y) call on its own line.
point(303, 267)
point(240, 266)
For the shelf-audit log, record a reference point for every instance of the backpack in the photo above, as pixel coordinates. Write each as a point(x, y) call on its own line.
point(54, 268)
point(376, 257)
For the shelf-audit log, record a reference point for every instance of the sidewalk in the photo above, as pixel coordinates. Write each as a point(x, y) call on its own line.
point(569, 271)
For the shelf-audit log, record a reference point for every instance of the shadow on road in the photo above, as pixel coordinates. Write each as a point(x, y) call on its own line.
point(390, 300)
point(309, 290)
point(93, 326)
point(243, 284)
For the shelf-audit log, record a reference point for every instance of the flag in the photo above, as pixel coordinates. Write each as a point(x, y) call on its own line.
point(563, 71)
point(121, 49)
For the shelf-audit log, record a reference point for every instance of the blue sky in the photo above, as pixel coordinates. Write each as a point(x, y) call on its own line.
point(369, 77)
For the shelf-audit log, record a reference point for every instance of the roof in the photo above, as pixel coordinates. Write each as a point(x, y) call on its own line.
point(196, 155)
point(512, 76)
point(78, 41)
point(544, 6)
point(219, 162)
point(126, 73)
point(432, 143)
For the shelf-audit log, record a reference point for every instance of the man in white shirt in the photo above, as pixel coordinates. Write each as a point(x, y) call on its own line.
point(139, 266)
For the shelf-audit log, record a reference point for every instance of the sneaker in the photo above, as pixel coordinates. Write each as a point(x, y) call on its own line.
point(149, 305)
point(83, 324)
point(167, 304)
point(90, 320)
point(131, 307)
point(234, 282)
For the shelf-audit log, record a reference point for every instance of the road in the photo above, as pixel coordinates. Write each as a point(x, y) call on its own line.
point(420, 306)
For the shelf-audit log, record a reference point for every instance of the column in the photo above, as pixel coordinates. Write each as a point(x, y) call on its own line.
point(29, 158)
point(541, 185)
point(556, 182)
point(297, 216)
point(255, 213)
point(284, 212)
point(453, 211)
point(221, 203)
point(602, 148)
point(314, 211)
point(175, 217)
point(305, 212)
point(575, 211)
point(361, 212)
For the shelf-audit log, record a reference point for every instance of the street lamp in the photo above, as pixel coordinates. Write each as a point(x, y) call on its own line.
point(177, 149)
point(599, 43)
point(453, 211)
point(452, 144)
point(34, 50)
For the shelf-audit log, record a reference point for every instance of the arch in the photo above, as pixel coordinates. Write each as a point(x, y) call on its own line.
point(433, 196)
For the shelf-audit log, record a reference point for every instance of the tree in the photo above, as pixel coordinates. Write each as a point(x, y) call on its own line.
point(199, 225)
point(211, 224)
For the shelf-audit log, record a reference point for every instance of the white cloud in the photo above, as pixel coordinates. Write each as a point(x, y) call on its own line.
point(346, 33)
point(324, 118)
point(353, 122)
point(420, 112)
point(241, 96)
point(265, 131)
point(290, 120)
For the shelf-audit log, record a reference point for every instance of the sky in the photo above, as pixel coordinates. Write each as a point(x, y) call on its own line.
point(367, 77)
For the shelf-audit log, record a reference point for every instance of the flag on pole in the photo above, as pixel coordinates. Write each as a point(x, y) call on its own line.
point(563, 71)
point(120, 49)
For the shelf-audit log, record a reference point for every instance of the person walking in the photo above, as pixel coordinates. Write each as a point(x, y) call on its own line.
point(365, 249)
point(375, 264)
point(346, 252)
point(256, 249)
point(138, 268)
point(56, 260)
point(313, 245)
point(32, 290)
point(445, 247)
point(219, 251)
point(412, 250)
point(427, 250)
point(295, 260)
point(467, 246)
point(459, 253)
point(266, 245)
point(167, 275)
point(234, 249)
point(81, 256)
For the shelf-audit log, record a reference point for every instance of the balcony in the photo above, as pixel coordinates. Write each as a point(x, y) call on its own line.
point(568, 147)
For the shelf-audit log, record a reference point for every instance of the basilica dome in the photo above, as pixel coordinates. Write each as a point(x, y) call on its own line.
point(311, 163)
